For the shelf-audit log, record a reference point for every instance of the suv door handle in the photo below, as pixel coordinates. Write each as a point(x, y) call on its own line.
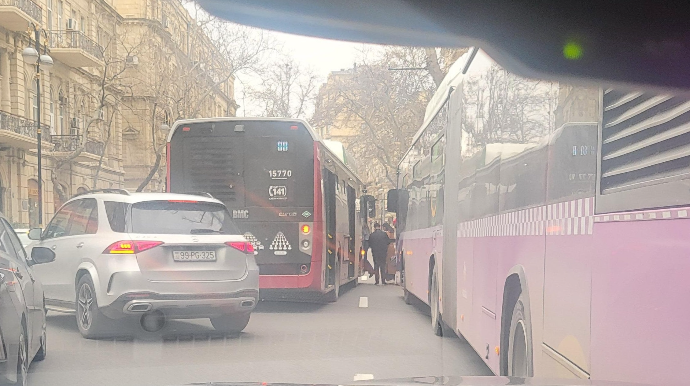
point(80, 245)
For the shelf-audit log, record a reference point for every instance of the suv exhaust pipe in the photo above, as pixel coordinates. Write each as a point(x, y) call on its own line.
point(139, 307)
point(153, 321)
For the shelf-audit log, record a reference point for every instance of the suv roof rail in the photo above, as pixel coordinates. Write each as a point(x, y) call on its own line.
point(111, 190)
point(205, 194)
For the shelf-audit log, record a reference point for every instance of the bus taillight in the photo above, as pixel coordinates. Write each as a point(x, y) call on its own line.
point(305, 237)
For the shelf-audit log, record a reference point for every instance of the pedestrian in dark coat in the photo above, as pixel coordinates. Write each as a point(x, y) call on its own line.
point(378, 242)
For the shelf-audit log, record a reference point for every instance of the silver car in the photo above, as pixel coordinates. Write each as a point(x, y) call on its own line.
point(155, 255)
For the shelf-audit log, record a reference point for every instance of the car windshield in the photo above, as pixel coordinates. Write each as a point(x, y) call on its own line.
point(213, 202)
point(174, 217)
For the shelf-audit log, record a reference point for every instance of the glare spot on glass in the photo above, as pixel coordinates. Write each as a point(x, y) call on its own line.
point(572, 51)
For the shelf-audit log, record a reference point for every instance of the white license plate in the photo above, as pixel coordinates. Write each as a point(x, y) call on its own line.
point(194, 255)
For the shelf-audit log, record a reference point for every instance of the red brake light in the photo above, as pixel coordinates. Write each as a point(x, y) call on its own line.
point(241, 246)
point(186, 129)
point(185, 201)
point(129, 247)
point(294, 127)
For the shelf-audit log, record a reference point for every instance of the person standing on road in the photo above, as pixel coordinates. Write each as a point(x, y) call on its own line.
point(378, 242)
point(365, 236)
point(391, 265)
point(365, 247)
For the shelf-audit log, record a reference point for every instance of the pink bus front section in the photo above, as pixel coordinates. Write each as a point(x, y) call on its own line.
point(608, 294)
point(641, 297)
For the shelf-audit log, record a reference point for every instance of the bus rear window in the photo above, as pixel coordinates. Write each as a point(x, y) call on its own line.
point(264, 164)
point(173, 217)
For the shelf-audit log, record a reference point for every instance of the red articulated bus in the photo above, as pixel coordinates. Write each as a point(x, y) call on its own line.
point(293, 195)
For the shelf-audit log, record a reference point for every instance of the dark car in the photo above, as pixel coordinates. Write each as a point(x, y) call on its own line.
point(22, 307)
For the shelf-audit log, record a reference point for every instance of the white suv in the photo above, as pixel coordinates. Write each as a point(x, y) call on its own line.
point(158, 255)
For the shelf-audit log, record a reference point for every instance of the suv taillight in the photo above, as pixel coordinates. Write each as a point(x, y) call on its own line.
point(128, 247)
point(243, 246)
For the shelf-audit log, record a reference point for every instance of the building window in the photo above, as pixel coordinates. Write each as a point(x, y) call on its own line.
point(51, 113)
point(59, 15)
point(30, 99)
point(81, 115)
point(49, 14)
point(61, 114)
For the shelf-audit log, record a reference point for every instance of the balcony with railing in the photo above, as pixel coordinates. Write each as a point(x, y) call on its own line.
point(15, 15)
point(20, 132)
point(75, 49)
point(65, 145)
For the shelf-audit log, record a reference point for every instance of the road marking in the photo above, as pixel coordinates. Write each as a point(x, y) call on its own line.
point(363, 302)
point(363, 377)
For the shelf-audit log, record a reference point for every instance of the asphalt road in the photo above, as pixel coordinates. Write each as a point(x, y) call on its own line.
point(284, 342)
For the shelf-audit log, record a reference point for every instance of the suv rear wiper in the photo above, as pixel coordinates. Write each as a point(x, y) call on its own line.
point(204, 230)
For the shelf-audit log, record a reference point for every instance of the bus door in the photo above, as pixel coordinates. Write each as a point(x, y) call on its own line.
point(330, 210)
point(352, 231)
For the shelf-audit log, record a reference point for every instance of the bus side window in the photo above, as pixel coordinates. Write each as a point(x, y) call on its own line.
point(485, 192)
point(523, 177)
point(438, 156)
point(572, 166)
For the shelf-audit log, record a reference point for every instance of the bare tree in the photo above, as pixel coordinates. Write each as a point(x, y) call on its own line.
point(109, 92)
point(502, 107)
point(186, 83)
point(387, 97)
point(106, 142)
point(286, 90)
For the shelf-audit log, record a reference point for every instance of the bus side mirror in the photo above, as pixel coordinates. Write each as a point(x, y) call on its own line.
point(367, 206)
point(392, 200)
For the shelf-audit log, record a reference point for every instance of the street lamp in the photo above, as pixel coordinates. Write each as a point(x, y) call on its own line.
point(34, 57)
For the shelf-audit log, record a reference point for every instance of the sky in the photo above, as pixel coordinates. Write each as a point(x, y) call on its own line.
point(321, 55)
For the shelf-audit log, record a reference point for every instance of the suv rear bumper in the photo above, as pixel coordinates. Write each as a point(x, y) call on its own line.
point(182, 305)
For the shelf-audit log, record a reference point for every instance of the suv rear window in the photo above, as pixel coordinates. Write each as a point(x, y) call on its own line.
point(116, 212)
point(177, 217)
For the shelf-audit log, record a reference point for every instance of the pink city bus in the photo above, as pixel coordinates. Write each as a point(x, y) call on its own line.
point(548, 224)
